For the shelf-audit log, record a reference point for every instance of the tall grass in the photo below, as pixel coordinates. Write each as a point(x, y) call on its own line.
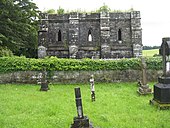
point(117, 105)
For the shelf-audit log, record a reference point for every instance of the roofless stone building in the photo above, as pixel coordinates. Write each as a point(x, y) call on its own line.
point(95, 35)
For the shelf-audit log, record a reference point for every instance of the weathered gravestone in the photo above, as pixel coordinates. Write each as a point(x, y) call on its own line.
point(162, 88)
point(80, 121)
point(43, 81)
point(92, 88)
point(42, 52)
point(143, 86)
point(42, 76)
point(73, 50)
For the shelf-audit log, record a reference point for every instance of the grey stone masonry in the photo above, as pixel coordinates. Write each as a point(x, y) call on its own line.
point(73, 77)
point(95, 35)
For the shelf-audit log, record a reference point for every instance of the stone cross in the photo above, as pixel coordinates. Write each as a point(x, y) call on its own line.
point(144, 87)
point(143, 64)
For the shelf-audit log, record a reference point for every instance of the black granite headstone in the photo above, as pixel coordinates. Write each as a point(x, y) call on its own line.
point(162, 88)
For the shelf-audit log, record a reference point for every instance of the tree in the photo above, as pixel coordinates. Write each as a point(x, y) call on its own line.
point(50, 11)
point(19, 26)
point(60, 11)
point(104, 8)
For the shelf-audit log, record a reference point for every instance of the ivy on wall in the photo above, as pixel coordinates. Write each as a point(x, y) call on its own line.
point(9, 64)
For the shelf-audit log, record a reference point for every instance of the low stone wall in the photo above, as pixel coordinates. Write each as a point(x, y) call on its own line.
point(72, 77)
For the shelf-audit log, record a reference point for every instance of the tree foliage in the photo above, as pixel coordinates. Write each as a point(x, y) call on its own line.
point(60, 10)
point(4, 51)
point(18, 26)
point(50, 11)
point(104, 8)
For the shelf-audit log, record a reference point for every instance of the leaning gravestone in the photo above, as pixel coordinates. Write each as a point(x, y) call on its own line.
point(80, 121)
point(144, 87)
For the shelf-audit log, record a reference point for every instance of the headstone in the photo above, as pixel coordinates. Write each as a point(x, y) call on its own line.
point(144, 87)
point(162, 88)
point(73, 50)
point(80, 121)
point(44, 82)
point(92, 88)
point(105, 51)
point(42, 52)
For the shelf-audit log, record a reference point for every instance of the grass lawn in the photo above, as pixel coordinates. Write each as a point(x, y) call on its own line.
point(117, 105)
point(150, 53)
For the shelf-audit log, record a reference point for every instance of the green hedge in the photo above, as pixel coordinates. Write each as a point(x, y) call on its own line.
point(8, 64)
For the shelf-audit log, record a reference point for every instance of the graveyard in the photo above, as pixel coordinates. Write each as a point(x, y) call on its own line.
point(25, 103)
point(117, 105)
point(79, 69)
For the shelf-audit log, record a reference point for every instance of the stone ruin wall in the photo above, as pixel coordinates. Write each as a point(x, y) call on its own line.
point(114, 35)
point(80, 77)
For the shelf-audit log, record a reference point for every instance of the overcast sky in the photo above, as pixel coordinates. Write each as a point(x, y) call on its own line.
point(155, 14)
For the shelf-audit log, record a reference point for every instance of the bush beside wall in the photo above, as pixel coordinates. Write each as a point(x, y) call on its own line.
point(10, 64)
point(68, 71)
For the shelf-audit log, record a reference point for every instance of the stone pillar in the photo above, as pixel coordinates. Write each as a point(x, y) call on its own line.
point(73, 34)
point(43, 30)
point(105, 34)
point(136, 33)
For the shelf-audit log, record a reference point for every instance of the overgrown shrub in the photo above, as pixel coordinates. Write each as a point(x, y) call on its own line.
point(8, 64)
point(5, 52)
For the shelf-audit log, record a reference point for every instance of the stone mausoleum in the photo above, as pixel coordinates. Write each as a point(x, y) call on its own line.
point(95, 35)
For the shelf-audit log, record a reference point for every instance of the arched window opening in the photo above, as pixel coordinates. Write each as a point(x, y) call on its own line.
point(89, 36)
point(59, 35)
point(119, 35)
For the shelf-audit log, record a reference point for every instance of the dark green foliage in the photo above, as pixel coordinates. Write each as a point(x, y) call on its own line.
point(154, 63)
point(8, 64)
point(4, 51)
point(18, 26)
